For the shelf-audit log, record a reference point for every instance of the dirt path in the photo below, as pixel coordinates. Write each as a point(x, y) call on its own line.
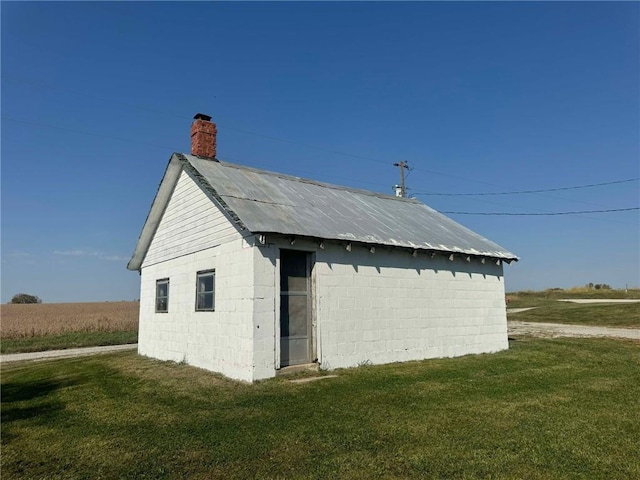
point(518, 310)
point(598, 300)
point(71, 352)
point(553, 330)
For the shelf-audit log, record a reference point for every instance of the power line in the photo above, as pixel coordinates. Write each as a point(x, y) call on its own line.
point(529, 191)
point(137, 141)
point(227, 126)
point(298, 172)
point(316, 147)
point(217, 120)
point(445, 212)
point(543, 214)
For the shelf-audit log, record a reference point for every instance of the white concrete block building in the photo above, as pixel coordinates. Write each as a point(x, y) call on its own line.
point(244, 272)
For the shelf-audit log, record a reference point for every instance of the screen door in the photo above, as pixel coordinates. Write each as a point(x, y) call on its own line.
point(295, 308)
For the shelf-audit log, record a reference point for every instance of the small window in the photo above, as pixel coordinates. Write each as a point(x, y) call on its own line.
point(162, 295)
point(205, 291)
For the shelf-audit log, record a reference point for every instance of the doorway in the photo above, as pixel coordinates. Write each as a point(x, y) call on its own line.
point(296, 334)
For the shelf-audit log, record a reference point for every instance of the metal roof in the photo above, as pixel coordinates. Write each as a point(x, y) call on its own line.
point(267, 202)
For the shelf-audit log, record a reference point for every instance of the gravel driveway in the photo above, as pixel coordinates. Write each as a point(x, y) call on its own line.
point(71, 352)
point(554, 330)
point(539, 329)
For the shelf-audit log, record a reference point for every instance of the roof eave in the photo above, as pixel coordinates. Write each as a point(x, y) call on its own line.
point(443, 249)
point(165, 189)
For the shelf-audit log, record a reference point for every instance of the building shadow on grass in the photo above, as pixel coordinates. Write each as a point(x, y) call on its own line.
point(30, 401)
point(25, 391)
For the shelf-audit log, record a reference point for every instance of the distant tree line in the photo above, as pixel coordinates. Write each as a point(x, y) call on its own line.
point(25, 298)
point(598, 286)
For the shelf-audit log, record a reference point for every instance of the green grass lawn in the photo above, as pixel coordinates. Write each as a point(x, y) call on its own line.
point(530, 298)
point(606, 315)
point(545, 409)
point(67, 340)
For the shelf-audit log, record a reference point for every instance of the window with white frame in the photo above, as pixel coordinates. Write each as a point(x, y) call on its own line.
point(205, 291)
point(162, 295)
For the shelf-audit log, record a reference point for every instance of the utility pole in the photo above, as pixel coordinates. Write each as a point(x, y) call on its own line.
point(402, 165)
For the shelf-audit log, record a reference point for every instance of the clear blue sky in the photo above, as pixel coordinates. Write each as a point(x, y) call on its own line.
point(477, 97)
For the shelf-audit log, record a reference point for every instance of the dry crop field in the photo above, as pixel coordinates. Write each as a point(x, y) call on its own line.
point(34, 320)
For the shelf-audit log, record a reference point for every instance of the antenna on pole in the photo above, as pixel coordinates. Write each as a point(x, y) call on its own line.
point(400, 189)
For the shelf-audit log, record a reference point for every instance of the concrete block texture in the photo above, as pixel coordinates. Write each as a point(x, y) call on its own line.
point(219, 340)
point(404, 307)
point(368, 308)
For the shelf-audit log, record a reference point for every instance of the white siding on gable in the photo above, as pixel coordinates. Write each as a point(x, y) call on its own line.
point(190, 223)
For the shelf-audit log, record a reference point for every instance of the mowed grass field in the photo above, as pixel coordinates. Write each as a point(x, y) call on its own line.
point(43, 326)
point(603, 315)
point(549, 309)
point(544, 409)
point(533, 298)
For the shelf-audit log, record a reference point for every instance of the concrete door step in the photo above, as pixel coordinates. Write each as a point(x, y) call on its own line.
point(305, 367)
point(312, 379)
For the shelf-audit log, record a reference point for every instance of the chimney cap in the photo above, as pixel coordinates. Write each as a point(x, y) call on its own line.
point(202, 116)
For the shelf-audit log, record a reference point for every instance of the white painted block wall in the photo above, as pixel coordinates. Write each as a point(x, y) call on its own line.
point(265, 306)
point(221, 341)
point(389, 307)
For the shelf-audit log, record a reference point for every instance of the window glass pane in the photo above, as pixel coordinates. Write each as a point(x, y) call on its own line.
point(162, 289)
point(208, 301)
point(205, 301)
point(162, 296)
point(161, 304)
point(205, 291)
point(206, 283)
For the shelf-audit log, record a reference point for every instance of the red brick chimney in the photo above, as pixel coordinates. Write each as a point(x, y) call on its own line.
point(203, 136)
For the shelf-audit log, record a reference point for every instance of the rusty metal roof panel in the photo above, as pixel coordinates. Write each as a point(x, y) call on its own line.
point(267, 202)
